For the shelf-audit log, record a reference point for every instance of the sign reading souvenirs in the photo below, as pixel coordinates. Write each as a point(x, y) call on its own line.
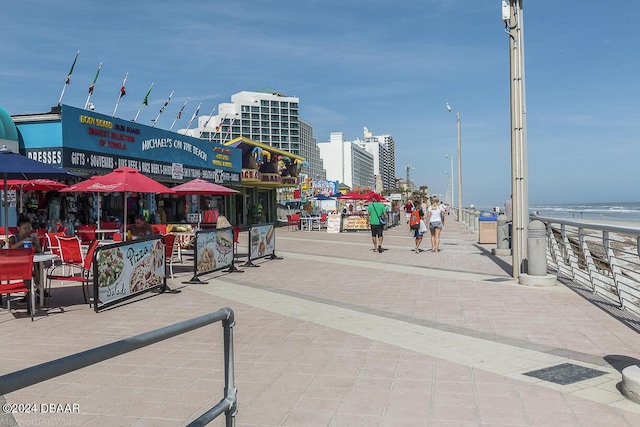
point(95, 142)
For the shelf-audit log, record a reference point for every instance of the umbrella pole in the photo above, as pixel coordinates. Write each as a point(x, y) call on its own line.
point(5, 200)
point(124, 220)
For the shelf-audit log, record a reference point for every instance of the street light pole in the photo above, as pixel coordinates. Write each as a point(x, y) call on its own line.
point(449, 109)
point(453, 197)
point(513, 19)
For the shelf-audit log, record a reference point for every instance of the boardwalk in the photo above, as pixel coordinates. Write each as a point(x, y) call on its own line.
point(335, 334)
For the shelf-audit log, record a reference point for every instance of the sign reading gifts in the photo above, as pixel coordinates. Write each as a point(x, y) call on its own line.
point(113, 138)
point(125, 269)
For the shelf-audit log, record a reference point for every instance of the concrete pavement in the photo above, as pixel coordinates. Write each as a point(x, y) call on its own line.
point(335, 334)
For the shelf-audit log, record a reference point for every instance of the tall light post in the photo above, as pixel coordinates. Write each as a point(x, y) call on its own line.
point(453, 197)
point(449, 109)
point(513, 19)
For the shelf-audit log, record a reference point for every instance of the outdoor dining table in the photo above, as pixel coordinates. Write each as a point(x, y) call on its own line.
point(307, 222)
point(101, 233)
point(39, 259)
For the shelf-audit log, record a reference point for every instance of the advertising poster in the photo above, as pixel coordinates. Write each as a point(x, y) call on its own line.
point(126, 269)
point(262, 241)
point(214, 250)
point(355, 223)
point(333, 223)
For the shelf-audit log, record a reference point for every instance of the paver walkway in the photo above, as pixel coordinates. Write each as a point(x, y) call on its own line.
point(335, 334)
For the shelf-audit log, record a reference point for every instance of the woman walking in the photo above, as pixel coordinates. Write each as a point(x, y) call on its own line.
point(435, 217)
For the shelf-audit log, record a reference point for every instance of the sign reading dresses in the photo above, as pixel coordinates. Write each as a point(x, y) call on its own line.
point(95, 142)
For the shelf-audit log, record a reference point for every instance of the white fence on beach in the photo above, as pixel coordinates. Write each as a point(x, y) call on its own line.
point(603, 258)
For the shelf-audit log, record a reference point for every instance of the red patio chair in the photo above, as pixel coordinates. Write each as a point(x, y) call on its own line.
point(293, 222)
point(169, 247)
point(83, 269)
point(16, 276)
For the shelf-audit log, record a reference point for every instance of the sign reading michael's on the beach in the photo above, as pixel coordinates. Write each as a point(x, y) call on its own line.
point(125, 269)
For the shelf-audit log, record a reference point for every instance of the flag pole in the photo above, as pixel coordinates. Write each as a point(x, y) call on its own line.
point(145, 101)
point(193, 117)
point(179, 114)
point(229, 133)
point(123, 92)
point(162, 110)
point(68, 79)
point(95, 79)
point(207, 122)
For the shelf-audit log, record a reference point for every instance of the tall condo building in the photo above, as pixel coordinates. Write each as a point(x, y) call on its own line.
point(347, 162)
point(382, 147)
point(267, 116)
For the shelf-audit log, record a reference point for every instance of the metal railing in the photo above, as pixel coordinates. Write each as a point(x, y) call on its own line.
point(46, 371)
point(603, 258)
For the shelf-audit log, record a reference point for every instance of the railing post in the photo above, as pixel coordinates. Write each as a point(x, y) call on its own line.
point(537, 257)
point(503, 242)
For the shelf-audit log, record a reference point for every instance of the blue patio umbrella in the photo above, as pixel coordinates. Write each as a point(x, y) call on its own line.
point(17, 166)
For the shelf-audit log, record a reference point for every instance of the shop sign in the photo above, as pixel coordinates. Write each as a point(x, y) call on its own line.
point(97, 162)
point(177, 171)
point(271, 177)
point(289, 181)
point(88, 130)
point(251, 175)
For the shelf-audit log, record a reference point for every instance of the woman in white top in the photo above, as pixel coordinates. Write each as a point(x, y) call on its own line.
point(435, 217)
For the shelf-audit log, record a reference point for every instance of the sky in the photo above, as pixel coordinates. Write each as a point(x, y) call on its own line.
point(387, 66)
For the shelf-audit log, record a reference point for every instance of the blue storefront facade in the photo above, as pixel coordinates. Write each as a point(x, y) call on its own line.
point(92, 143)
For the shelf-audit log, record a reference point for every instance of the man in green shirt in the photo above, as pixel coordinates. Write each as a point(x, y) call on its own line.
point(377, 219)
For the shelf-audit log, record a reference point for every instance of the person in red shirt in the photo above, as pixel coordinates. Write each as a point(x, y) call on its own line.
point(408, 208)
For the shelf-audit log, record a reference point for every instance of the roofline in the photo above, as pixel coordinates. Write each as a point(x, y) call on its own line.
point(265, 147)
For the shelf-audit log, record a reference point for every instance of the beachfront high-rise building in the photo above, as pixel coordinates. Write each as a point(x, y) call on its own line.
point(266, 116)
point(384, 158)
point(347, 162)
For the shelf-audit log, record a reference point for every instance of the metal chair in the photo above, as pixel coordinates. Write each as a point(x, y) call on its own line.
point(169, 248)
point(16, 276)
point(72, 258)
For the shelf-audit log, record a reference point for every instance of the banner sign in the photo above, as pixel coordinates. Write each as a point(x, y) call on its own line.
point(262, 243)
point(355, 223)
point(213, 250)
point(333, 223)
point(90, 141)
point(126, 269)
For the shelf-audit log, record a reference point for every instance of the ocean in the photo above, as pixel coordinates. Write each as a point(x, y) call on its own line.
point(628, 211)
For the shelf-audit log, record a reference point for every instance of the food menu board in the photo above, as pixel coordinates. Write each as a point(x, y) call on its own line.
point(355, 223)
point(333, 223)
point(214, 250)
point(128, 268)
point(262, 241)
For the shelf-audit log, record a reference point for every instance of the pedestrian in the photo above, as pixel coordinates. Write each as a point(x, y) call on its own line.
point(416, 218)
point(408, 208)
point(140, 228)
point(24, 238)
point(435, 218)
point(377, 220)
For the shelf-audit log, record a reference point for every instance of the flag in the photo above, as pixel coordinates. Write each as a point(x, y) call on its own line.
point(195, 114)
point(166, 103)
point(123, 91)
point(95, 79)
point(68, 80)
point(145, 101)
point(180, 112)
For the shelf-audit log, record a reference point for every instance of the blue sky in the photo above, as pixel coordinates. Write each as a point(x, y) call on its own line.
point(388, 66)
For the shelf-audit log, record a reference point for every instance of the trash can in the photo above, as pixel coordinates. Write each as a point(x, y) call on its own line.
point(487, 228)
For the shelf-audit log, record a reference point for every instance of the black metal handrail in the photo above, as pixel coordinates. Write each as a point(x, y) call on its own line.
point(48, 370)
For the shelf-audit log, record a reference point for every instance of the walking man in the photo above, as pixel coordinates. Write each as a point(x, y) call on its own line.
point(377, 219)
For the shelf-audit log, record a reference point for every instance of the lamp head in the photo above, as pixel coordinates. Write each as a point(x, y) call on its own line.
point(449, 109)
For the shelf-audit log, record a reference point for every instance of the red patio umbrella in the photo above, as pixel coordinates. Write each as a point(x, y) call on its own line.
point(35, 184)
point(352, 195)
point(375, 197)
point(200, 186)
point(120, 180)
